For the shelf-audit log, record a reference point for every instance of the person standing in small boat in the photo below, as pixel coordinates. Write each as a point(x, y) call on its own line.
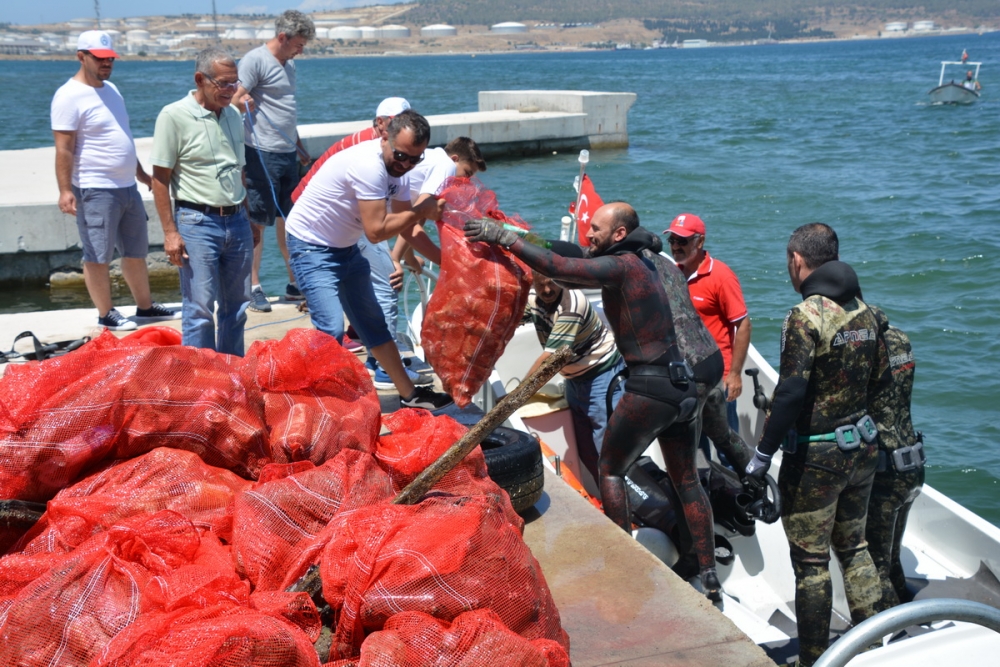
point(96, 168)
point(833, 362)
point(661, 397)
point(900, 472)
point(565, 317)
point(274, 148)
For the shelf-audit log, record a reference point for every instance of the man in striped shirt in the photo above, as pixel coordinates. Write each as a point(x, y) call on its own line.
point(565, 317)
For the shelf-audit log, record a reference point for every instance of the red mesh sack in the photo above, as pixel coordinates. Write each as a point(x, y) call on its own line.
point(442, 557)
point(479, 299)
point(474, 639)
point(152, 336)
point(110, 400)
point(318, 398)
point(162, 479)
point(223, 635)
point(416, 439)
point(277, 524)
point(78, 601)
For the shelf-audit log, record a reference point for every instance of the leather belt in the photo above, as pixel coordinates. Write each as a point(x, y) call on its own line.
point(209, 210)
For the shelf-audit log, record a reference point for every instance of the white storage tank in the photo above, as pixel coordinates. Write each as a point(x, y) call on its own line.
point(394, 32)
point(83, 24)
point(895, 26)
point(345, 32)
point(267, 33)
point(438, 30)
point(368, 32)
point(509, 28)
point(322, 33)
point(134, 37)
point(136, 22)
point(242, 31)
point(923, 26)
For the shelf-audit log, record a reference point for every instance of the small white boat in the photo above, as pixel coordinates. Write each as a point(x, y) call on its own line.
point(956, 92)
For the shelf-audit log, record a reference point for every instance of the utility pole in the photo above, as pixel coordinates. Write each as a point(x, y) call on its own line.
point(215, 22)
point(97, 11)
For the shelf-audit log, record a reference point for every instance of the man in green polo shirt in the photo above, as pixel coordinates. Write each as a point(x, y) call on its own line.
point(198, 156)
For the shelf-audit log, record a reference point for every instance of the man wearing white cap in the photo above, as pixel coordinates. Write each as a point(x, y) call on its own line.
point(96, 169)
point(386, 109)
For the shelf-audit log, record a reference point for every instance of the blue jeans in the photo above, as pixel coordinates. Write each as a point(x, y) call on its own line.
point(380, 259)
point(588, 407)
point(217, 271)
point(335, 281)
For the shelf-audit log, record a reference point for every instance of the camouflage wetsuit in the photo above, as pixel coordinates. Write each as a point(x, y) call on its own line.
point(697, 344)
point(832, 362)
point(640, 317)
point(894, 491)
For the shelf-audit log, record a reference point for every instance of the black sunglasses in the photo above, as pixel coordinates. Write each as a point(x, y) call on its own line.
point(109, 58)
point(400, 156)
point(680, 240)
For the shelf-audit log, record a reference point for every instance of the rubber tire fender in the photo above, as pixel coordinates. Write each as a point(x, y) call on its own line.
point(514, 462)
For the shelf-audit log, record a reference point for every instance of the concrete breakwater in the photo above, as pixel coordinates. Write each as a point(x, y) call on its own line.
point(37, 240)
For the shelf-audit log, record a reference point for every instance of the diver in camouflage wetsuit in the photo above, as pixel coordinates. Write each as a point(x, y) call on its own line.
point(832, 363)
point(900, 472)
point(661, 398)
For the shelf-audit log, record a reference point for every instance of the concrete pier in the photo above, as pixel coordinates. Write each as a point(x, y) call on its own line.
point(36, 239)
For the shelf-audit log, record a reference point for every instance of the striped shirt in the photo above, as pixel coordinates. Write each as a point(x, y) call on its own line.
point(572, 321)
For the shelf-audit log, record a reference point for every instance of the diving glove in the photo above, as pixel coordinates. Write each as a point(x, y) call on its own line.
point(488, 231)
point(758, 467)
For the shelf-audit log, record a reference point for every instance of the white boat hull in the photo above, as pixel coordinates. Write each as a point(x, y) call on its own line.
point(953, 93)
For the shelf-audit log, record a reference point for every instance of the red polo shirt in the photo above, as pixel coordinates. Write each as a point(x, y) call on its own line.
point(717, 296)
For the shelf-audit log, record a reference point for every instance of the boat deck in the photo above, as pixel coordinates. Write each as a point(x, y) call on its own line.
point(618, 603)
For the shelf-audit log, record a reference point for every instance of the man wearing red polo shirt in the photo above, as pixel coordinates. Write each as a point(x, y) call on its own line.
point(718, 298)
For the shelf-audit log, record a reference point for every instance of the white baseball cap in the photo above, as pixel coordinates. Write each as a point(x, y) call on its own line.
point(97, 42)
point(392, 106)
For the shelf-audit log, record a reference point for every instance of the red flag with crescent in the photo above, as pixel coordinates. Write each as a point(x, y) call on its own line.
point(589, 202)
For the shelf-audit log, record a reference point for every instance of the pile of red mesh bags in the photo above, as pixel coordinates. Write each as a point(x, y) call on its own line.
point(318, 398)
point(479, 298)
point(474, 639)
point(114, 400)
point(278, 524)
point(190, 489)
point(443, 556)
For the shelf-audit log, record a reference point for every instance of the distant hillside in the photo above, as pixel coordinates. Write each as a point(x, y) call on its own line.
point(718, 19)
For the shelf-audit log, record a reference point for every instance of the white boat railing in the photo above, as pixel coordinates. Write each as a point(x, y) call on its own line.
point(945, 63)
point(892, 620)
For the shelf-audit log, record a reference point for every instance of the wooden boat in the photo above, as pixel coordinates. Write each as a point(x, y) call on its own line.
point(952, 92)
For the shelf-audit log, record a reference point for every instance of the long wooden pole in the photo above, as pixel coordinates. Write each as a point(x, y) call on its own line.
point(416, 489)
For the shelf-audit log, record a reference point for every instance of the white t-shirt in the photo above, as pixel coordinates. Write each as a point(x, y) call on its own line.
point(105, 152)
point(327, 213)
point(428, 176)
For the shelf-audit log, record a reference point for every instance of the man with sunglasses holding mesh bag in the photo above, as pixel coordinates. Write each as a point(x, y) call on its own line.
point(345, 200)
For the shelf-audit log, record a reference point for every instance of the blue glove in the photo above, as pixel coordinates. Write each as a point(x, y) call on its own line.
point(488, 231)
point(757, 467)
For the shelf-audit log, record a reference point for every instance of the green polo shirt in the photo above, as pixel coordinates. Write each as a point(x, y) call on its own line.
point(205, 152)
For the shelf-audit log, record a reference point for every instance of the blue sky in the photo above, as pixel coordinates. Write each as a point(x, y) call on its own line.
point(29, 12)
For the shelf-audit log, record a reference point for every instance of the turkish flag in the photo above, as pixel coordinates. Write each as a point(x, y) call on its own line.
point(589, 202)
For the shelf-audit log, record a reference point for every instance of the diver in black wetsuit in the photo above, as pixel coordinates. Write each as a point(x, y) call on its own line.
point(661, 399)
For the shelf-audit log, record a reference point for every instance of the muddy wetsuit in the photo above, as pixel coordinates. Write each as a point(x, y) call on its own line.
point(652, 406)
point(697, 344)
point(832, 363)
point(900, 472)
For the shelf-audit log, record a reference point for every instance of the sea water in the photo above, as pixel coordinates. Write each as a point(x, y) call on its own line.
point(757, 141)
